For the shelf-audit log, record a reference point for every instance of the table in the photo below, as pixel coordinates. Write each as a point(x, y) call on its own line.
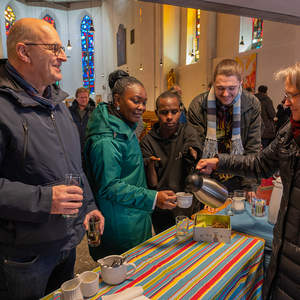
point(260, 227)
point(171, 269)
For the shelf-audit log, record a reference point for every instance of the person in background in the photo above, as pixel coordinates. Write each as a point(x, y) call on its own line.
point(175, 88)
point(282, 280)
point(170, 150)
point(81, 110)
point(116, 171)
point(249, 89)
point(268, 114)
point(283, 114)
point(39, 144)
point(210, 84)
point(227, 120)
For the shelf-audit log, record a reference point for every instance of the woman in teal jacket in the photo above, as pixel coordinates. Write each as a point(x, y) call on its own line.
point(116, 171)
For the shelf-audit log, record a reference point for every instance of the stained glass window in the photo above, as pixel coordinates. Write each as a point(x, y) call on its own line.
point(87, 49)
point(48, 19)
point(10, 19)
point(198, 15)
point(257, 33)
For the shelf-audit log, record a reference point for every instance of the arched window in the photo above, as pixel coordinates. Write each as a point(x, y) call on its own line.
point(197, 41)
point(257, 33)
point(87, 48)
point(49, 19)
point(10, 19)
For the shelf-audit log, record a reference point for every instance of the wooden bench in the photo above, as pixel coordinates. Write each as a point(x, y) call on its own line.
point(149, 117)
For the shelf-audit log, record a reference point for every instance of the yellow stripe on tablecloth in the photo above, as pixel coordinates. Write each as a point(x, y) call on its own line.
point(253, 269)
point(188, 270)
point(184, 289)
point(186, 257)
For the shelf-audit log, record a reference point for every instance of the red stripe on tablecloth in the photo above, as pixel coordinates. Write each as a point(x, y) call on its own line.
point(177, 271)
point(223, 271)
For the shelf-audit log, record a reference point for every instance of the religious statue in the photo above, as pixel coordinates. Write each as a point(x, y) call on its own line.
point(171, 78)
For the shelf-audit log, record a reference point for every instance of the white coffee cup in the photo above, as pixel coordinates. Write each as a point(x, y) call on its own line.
point(89, 284)
point(184, 200)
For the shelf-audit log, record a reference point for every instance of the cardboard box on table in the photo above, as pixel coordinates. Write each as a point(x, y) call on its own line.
point(210, 234)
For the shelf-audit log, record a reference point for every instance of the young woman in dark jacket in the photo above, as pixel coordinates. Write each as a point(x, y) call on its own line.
point(283, 280)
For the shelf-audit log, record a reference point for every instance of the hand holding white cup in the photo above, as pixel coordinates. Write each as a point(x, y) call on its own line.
point(184, 200)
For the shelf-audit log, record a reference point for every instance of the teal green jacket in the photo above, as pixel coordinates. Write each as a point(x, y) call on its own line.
point(117, 178)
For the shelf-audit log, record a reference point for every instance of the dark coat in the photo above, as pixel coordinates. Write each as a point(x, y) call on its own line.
point(172, 169)
point(282, 281)
point(250, 125)
point(81, 122)
point(268, 114)
point(39, 144)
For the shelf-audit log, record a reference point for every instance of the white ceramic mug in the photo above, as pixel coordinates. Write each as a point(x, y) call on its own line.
point(90, 283)
point(114, 275)
point(184, 200)
point(70, 290)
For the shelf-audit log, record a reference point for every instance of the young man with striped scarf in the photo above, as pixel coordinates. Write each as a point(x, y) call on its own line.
point(228, 120)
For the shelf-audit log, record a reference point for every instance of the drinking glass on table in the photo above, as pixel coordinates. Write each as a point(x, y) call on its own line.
point(255, 194)
point(182, 227)
point(72, 179)
point(229, 209)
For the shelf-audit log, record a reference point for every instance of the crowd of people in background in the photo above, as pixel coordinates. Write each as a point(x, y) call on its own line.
point(130, 185)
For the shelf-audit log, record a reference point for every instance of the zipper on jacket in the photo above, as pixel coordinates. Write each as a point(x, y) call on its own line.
point(25, 144)
point(62, 145)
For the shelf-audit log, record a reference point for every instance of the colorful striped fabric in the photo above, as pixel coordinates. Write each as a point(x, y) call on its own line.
point(171, 269)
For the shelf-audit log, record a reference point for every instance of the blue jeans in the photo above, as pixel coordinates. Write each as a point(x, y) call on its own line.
point(36, 276)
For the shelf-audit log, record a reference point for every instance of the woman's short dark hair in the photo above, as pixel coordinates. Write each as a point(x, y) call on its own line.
point(119, 81)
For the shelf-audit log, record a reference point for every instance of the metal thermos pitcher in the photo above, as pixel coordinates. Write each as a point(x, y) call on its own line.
point(206, 190)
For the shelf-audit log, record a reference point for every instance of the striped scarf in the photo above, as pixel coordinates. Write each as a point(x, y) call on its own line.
point(211, 143)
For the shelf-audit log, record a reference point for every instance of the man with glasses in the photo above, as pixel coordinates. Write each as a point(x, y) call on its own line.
point(39, 144)
point(282, 280)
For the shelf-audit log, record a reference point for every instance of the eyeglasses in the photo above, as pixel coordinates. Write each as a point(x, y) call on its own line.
point(290, 97)
point(56, 47)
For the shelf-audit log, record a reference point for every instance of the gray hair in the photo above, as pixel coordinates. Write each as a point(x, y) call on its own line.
point(291, 73)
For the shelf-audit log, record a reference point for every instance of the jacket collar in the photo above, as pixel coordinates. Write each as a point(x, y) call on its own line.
point(9, 85)
point(101, 122)
point(154, 132)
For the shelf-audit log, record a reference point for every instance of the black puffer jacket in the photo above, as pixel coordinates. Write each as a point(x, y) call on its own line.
point(283, 277)
point(81, 122)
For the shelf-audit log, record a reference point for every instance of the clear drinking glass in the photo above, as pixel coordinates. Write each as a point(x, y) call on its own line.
point(182, 227)
point(255, 194)
point(72, 179)
point(229, 209)
point(93, 233)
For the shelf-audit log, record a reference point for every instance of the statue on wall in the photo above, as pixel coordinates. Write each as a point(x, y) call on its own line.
point(170, 78)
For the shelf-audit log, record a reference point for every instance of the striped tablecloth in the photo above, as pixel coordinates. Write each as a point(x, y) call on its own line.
point(171, 269)
point(255, 226)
